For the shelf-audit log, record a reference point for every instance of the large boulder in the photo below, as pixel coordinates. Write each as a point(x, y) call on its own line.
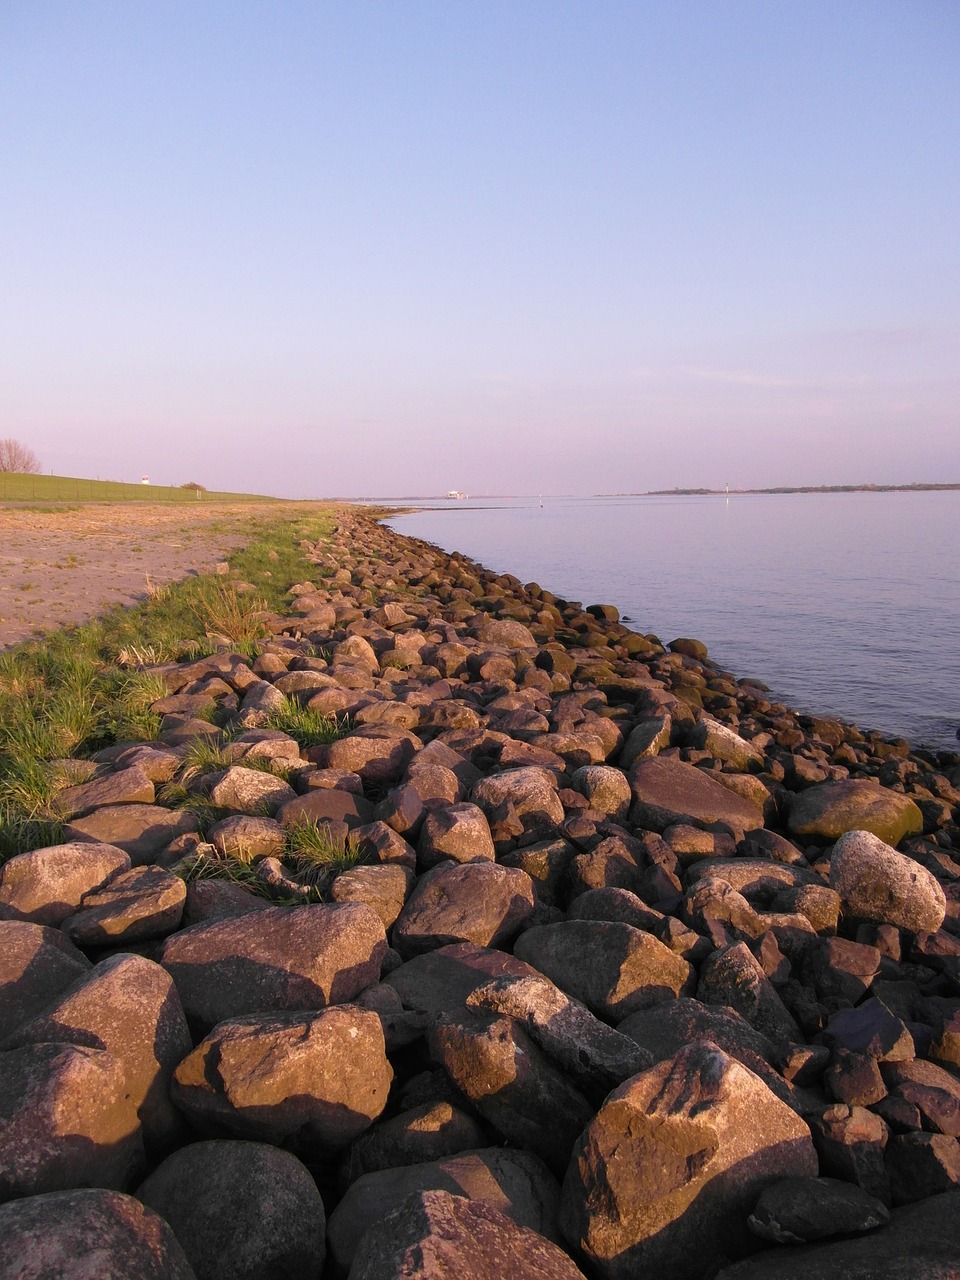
point(514, 1086)
point(145, 902)
point(920, 1242)
point(36, 964)
point(434, 1235)
point(878, 884)
point(129, 1006)
point(88, 1235)
point(664, 1176)
point(66, 1120)
point(514, 1182)
point(440, 982)
point(319, 1079)
point(831, 809)
point(531, 794)
point(593, 1054)
point(667, 791)
point(419, 1135)
point(611, 967)
point(283, 958)
point(48, 885)
point(240, 1210)
point(140, 830)
point(125, 786)
point(478, 902)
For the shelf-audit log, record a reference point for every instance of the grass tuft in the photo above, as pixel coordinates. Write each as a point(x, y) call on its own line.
point(307, 727)
point(316, 857)
point(223, 610)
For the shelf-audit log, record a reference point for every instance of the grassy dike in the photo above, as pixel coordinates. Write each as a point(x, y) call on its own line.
point(89, 687)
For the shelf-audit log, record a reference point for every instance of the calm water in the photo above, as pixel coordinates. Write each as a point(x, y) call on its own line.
point(844, 604)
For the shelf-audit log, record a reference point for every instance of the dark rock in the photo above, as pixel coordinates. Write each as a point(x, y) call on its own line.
point(920, 1242)
point(240, 1210)
point(435, 1235)
point(79, 1235)
point(922, 1165)
point(589, 1051)
point(421, 1135)
point(514, 1182)
point(733, 977)
point(512, 1084)
point(798, 1210)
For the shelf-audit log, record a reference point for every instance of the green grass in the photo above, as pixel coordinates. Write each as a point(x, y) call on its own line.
point(17, 487)
point(224, 610)
point(307, 727)
point(80, 689)
point(316, 857)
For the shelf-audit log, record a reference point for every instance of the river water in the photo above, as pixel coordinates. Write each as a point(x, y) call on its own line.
point(844, 604)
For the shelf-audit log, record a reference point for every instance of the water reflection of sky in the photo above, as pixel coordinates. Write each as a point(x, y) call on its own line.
point(846, 604)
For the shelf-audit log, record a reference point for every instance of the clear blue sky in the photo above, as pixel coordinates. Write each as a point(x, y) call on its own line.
point(394, 247)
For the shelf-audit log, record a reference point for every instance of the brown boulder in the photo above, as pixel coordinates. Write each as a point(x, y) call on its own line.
point(664, 1176)
point(667, 791)
point(87, 1235)
point(317, 1079)
point(436, 1236)
point(128, 1006)
point(611, 967)
point(36, 965)
point(514, 1182)
point(66, 1120)
point(145, 902)
point(126, 786)
point(141, 830)
point(478, 902)
point(48, 885)
point(282, 958)
point(831, 809)
point(513, 1085)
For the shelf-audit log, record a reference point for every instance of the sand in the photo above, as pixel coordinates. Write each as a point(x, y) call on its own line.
point(66, 565)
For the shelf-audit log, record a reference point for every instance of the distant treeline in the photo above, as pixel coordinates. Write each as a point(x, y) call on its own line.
point(811, 488)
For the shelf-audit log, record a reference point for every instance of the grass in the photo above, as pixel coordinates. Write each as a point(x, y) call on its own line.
point(223, 610)
point(80, 689)
point(307, 726)
point(17, 487)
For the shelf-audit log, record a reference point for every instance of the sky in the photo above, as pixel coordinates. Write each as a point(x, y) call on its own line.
point(377, 248)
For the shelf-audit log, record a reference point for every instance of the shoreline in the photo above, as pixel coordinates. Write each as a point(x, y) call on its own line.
point(587, 862)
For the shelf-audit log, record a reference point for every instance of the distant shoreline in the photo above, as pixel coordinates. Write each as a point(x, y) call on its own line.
point(806, 488)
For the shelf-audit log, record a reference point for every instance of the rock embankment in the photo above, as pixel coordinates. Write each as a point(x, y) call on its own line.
point(638, 972)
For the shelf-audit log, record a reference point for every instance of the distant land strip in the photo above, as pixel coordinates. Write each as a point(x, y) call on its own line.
point(806, 488)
